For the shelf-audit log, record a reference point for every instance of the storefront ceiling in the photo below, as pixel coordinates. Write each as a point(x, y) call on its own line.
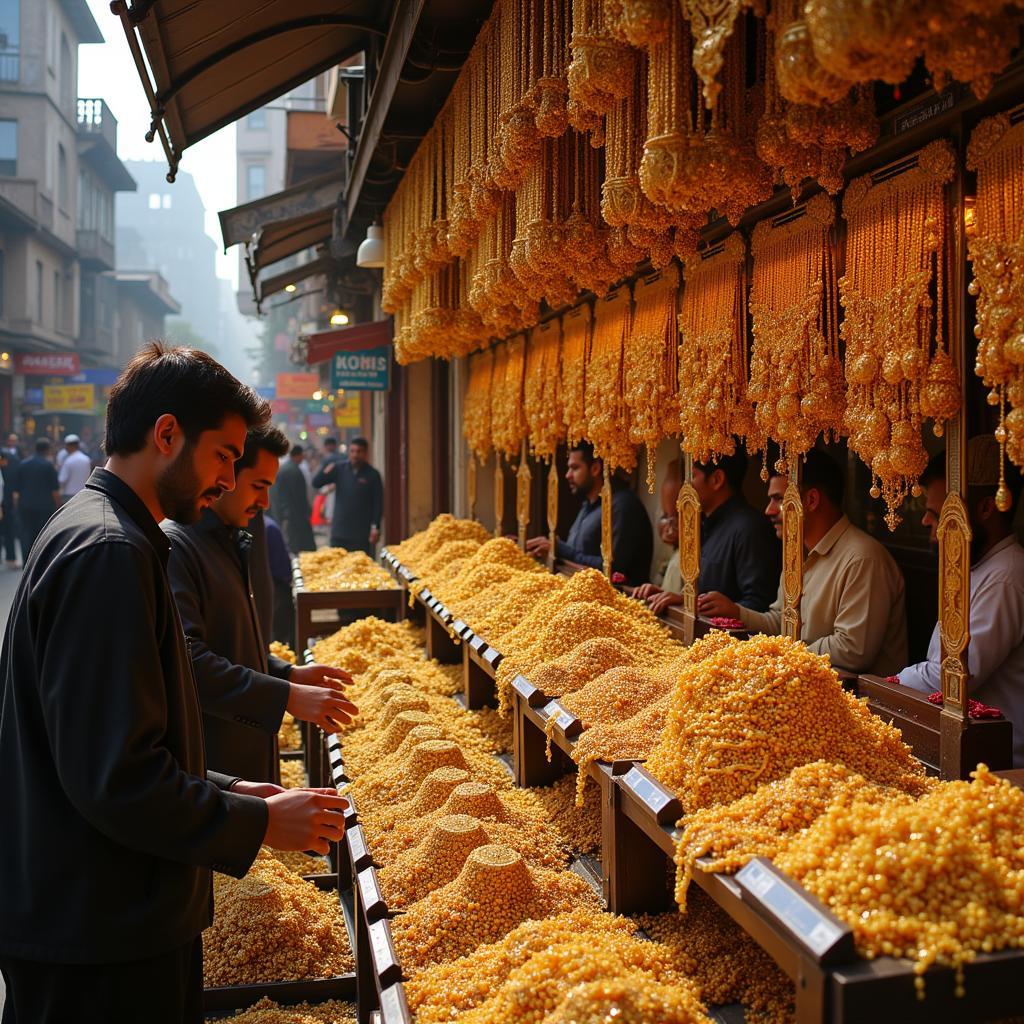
point(205, 65)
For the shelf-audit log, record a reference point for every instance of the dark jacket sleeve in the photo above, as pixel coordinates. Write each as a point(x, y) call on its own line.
point(322, 478)
point(376, 500)
point(757, 566)
point(568, 553)
point(279, 668)
point(105, 705)
point(227, 690)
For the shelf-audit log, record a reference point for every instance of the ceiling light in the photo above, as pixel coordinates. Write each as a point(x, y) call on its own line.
point(371, 250)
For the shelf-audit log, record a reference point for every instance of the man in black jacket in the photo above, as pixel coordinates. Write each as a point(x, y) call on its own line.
point(37, 493)
point(243, 691)
point(358, 498)
point(111, 825)
point(290, 500)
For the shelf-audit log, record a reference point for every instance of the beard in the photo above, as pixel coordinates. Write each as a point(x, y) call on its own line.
point(178, 492)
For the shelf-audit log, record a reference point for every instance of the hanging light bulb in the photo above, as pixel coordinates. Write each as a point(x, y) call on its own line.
point(339, 318)
point(371, 250)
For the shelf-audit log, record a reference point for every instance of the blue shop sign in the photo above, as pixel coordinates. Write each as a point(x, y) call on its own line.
point(365, 370)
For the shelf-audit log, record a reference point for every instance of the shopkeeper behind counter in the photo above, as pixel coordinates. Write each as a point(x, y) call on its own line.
point(995, 657)
point(852, 606)
point(632, 536)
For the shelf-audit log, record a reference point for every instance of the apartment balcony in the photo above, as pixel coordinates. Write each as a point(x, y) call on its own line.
point(97, 143)
point(95, 252)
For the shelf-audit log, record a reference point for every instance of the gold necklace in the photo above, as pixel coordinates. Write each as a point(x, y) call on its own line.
point(996, 250)
point(896, 252)
point(606, 411)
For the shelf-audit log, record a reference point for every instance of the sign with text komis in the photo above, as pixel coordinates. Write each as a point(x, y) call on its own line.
point(47, 364)
point(366, 370)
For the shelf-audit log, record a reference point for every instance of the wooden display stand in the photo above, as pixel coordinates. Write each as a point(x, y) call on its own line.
point(984, 740)
point(479, 663)
point(441, 645)
point(388, 603)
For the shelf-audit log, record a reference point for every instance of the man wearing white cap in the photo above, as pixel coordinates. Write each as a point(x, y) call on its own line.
point(74, 470)
point(995, 658)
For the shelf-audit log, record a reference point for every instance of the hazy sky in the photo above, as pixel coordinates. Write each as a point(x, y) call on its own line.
point(107, 71)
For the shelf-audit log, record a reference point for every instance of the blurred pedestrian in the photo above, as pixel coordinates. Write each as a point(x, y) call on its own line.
point(37, 493)
point(290, 503)
point(358, 499)
point(9, 524)
point(75, 469)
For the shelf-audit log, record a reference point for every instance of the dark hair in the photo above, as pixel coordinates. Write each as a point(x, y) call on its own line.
point(733, 466)
point(43, 444)
point(262, 439)
point(935, 470)
point(330, 440)
point(185, 382)
point(360, 441)
point(822, 472)
point(586, 449)
point(297, 449)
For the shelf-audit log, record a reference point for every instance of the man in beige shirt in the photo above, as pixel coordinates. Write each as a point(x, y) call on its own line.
point(852, 607)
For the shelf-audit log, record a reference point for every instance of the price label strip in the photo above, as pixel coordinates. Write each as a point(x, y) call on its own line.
point(369, 895)
point(784, 900)
point(385, 959)
point(357, 848)
point(568, 723)
point(664, 807)
point(492, 657)
point(533, 697)
point(393, 1007)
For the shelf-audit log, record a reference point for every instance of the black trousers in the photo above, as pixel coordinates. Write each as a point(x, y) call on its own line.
point(32, 522)
point(9, 532)
point(164, 989)
point(353, 544)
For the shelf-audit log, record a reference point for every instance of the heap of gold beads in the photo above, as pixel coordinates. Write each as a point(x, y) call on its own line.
point(898, 369)
point(796, 378)
point(996, 248)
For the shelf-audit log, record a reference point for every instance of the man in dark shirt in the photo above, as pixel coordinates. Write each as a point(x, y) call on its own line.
point(279, 563)
point(111, 825)
point(244, 691)
point(358, 498)
point(9, 525)
point(290, 502)
point(37, 493)
point(739, 552)
point(632, 536)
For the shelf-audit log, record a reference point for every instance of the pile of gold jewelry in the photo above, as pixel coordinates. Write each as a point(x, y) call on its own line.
point(272, 925)
point(338, 569)
point(266, 1011)
point(418, 548)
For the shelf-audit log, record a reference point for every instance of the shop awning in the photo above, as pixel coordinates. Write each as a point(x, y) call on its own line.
point(244, 224)
point(204, 65)
point(268, 286)
point(322, 345)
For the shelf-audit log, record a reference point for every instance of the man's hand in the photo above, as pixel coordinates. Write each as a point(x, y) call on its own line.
point(305, 819)
point(320, 675)
point(374, 535)
point(260, 789)
point(666, 599)
point(320, 705)
point(539, 547)
point(646, 590)
point(715, 605)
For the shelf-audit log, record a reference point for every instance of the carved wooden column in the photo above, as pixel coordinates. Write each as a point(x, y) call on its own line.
point(688, 506)
point(552, 510)
point(606, 521)
point(499, 494)
point(523, 480)
point(954, 527)
point(792, 553)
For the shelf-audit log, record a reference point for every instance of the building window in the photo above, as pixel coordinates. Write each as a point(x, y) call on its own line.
point(57, 323)
point(166, 200)
point(154, 200)
point(257, 121)
point(10, 40)
point(62, 177)
point(39, 292)
point(256, 181)
point(67, 78)
point(9, 148)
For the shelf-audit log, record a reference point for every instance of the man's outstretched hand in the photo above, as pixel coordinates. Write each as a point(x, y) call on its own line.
point(539, 547)
point(320, 675)
point(305, 819)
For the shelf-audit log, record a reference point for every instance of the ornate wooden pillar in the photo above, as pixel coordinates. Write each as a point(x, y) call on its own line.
point(471, 484)
point(499, 494)
point(792, 553)
point(606, 521)
point(523, 480)
point(688, 506)
point(954, 526)
point(552, 509)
